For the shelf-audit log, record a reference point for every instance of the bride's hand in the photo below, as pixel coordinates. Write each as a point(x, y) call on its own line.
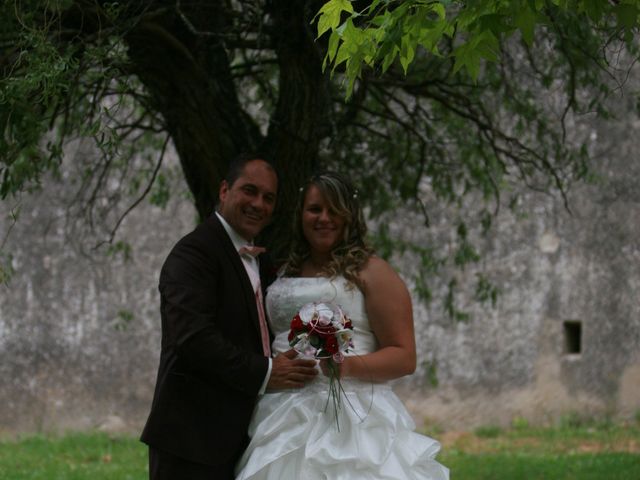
point(330, 367)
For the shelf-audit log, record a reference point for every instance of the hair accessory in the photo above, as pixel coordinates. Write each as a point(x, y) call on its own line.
point(355, 194)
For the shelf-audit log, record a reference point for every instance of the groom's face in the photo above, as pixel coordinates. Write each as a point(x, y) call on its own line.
point(248, 203)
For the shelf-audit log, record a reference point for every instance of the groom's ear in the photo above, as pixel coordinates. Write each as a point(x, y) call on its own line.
point(224, 189)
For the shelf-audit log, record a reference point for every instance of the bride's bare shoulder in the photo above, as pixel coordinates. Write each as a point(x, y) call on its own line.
point(377, 271)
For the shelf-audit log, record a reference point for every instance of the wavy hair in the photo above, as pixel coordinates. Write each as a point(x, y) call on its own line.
point(351, 253)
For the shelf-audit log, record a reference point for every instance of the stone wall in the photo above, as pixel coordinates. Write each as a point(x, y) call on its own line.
point(558, 272)
point(80, 330)
point(79, 334)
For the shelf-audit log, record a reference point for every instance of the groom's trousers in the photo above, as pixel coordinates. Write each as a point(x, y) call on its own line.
point(165, 466)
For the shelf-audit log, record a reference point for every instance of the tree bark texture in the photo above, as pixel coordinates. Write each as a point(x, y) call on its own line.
point(300, 120)
point(191, 86)
point(189, 79)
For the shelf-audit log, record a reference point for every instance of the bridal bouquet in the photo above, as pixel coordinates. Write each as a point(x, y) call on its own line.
point(321, 330)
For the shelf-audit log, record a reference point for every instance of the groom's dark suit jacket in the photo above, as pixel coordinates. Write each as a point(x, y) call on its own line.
point(211, 360)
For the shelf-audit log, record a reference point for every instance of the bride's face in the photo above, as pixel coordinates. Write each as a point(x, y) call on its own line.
point(322, 226)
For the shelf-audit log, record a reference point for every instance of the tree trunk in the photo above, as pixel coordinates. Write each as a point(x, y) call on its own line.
point(190, 83)
point(300, 120)
point(188, 77)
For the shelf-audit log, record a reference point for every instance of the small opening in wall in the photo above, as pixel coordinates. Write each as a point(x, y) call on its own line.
point(572, 337)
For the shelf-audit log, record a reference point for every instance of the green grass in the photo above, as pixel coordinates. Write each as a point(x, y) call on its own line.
point(525, 466)
point(76, 456)
point(587, 451)
point(569, 452)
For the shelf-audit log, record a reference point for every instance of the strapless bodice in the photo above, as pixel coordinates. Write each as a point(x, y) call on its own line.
point(286, 295)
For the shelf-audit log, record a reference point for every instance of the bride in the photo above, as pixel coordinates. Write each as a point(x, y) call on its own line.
point(298, 434)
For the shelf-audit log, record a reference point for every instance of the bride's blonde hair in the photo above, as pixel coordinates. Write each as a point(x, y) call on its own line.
point(352, 252)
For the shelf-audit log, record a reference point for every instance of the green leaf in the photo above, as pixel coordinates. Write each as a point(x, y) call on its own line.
point(373, 5)
point(6, 267)
point(123, 320)
point(488, 46)
point(627, 15)
point(431, 37)
point(525, 20)
point(431, 372)
point(389, 58)
point(439, 10)
point(486, 291)
point(120, 248)
point(332, 49)
point(354, 66)
point(495, 23)
point(349, 44)
point(351, 34)
point(467, 57)
point(407, 52)
point(595, 9)
point(329, 14)
point(343, 55)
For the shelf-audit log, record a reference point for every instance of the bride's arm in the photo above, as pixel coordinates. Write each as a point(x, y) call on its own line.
point(388, 306)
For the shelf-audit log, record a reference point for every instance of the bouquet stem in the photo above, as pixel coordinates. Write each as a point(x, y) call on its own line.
point(335, 389)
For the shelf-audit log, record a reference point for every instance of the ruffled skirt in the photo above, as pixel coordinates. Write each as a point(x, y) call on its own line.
point(295, 435)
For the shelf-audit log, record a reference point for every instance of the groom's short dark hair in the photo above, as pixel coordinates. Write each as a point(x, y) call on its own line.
point(238, 163)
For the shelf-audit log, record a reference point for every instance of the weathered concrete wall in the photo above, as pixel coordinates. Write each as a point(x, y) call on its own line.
point(551, 267)
point(69, 361)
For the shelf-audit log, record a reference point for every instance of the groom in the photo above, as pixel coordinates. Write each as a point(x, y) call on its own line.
point(214, 359)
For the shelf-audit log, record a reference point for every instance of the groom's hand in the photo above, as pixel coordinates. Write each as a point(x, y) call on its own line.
point(287, 371)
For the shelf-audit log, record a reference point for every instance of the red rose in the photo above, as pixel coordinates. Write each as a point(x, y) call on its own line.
point(324, 331)
point(331, 345)
point(296, 323)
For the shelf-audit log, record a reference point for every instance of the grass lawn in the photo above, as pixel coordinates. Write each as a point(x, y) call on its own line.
point(568, 452)
point(75, 456)
point(602, 452)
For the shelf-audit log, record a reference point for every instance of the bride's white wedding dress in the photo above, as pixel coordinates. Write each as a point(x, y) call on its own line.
point(294, 433)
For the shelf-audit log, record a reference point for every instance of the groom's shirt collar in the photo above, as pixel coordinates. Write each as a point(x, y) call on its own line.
point(237, 240)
